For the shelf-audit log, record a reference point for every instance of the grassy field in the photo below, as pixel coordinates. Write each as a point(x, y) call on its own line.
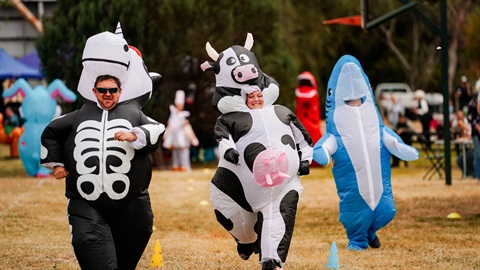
point(34, 232)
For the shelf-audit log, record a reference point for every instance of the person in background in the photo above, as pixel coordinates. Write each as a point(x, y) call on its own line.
point(11, 128)
point(395, 109)
point(463, 94)
point(461, 128)
point(422, 112)
point(12, 120)
point(474, 119)
point(179, 135)
point(404, 129)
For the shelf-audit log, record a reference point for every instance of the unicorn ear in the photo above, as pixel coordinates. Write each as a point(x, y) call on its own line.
point(249, 42)
point(118, 30)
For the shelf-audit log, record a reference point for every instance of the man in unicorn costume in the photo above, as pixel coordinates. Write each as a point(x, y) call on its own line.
point(360, 147)
point(103, 153)
point(256, 188)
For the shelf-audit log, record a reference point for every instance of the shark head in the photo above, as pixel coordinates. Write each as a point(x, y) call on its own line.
point(348, 86)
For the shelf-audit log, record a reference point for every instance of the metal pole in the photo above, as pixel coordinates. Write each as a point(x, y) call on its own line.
point(446, 113)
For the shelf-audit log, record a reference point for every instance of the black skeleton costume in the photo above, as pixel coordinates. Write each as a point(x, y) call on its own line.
point(256, 187)
point(109, 209)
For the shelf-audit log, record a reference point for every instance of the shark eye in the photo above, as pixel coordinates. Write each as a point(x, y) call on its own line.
point(231, 61)
point(330, 92)
point(244, 58)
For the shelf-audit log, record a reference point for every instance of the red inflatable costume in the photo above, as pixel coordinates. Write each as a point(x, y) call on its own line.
point(308, 107)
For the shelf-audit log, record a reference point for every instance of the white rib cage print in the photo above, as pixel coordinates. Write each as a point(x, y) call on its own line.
point(95, 139)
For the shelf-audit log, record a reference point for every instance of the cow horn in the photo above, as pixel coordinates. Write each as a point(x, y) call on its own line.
point(211, 52)
point(249, 42)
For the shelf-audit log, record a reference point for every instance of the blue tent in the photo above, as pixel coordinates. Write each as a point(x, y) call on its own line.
point(10, 68)
point(32, 60)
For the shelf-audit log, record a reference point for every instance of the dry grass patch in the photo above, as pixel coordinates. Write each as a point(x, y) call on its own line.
point(34, 231)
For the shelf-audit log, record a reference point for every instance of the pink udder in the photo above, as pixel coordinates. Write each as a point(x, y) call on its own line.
point(270, 168)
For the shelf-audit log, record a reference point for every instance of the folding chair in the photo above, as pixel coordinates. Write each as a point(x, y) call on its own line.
point(435, 158)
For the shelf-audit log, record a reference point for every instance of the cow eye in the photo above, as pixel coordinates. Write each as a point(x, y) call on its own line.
point(231, 61)
point(330, 92)
point(244, 58)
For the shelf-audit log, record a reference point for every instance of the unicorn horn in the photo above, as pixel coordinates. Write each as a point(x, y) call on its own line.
point(118, 30)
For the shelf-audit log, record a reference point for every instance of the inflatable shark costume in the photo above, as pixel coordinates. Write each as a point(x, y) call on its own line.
point(109, 208)
point(360, 147)
point(256, 188)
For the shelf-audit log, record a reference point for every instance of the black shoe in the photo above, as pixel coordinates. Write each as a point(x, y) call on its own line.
point(375, 243)
point(244, 251)
point(271, 265)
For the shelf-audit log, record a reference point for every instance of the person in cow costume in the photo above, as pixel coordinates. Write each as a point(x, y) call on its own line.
point(360, 146)
point(102, 150)
point(256, 187)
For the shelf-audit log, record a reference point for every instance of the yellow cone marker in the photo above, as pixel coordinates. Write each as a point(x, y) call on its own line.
point(454, 216)
point(157, 260)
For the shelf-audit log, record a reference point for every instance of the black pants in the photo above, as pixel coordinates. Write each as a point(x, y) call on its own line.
point(113, 242)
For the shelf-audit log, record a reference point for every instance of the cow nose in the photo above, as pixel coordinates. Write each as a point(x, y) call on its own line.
point(254, 70)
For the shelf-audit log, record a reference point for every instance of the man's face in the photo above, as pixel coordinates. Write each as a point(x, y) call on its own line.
point(107, 100)
point(460, 115)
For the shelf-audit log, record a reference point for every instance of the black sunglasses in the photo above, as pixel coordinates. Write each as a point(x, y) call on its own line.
point(104, 90)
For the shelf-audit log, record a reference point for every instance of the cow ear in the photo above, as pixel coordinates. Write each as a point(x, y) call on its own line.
point(207, 66)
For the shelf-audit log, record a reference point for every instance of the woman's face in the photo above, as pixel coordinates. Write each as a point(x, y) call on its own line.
point(255, 100)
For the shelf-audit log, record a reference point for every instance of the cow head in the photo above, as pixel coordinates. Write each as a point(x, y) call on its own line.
point(237, 73)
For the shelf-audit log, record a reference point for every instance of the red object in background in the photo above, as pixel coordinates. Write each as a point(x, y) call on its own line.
point(351, 20)
point(308, 106)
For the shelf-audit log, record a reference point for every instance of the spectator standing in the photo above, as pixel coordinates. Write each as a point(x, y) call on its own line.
point(463, 94)
point(474, 119)
point(395, 109)
point(404, 129)
point(422, 112)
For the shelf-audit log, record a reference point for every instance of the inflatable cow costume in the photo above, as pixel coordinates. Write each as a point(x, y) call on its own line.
point(109, 209)
point(360, 147)
point(256, 187)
